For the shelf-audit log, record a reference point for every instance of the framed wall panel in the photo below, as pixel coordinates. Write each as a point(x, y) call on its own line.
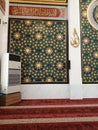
point(89, 40)
point(43, 47)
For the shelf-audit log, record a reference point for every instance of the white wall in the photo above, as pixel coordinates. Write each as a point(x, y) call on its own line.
point(74, 53)
point(46, 91)
point(4, 28)
point(3, 32)
point(1, 28)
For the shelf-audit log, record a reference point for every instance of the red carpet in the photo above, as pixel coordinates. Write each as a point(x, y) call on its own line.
point(57, 102)
point(50, 115)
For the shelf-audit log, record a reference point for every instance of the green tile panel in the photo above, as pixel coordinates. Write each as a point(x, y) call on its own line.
point(89, 40)
point(42, 45)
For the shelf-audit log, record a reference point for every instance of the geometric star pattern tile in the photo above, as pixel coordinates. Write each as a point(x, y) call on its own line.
point(42, 45)
point(89, 44)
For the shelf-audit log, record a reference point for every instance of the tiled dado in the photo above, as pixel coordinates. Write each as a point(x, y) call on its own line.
point(42, 45)
point(89, 40)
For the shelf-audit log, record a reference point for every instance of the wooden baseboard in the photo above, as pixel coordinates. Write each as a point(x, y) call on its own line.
point(9, 99)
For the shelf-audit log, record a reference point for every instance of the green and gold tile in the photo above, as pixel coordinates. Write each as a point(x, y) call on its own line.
point(89, 40)
point(42, 45)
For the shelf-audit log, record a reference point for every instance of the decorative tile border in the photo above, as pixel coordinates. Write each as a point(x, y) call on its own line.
point(38, 11)
point(2, 6)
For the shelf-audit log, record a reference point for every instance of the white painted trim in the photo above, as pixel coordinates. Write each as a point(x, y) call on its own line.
point(45, 91)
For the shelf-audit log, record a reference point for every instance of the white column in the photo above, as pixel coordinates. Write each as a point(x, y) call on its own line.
point(74, 53)
point(1, 30)
point(5, 28)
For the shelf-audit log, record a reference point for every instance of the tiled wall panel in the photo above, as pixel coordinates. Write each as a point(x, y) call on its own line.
point(42, 45)
point(89, 40)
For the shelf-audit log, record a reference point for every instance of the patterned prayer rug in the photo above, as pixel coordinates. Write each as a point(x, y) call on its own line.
point(43, 47)
point(89, 40)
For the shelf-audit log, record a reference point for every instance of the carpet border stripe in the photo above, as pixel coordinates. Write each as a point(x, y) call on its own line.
point(49, 106)
point(48, 120)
